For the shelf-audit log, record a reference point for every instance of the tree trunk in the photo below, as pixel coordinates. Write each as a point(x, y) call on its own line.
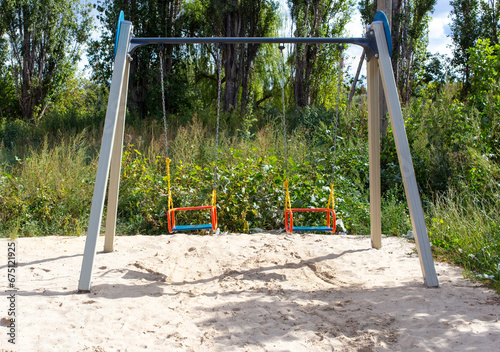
point(396, 36)
point(250, 56)
point(25, 100)
point(230, 55)
point(300, 92)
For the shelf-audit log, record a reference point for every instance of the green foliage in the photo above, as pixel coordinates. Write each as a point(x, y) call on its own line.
point(151, 18)
point(455, 160)
point(451, 146)
point(465, 30)
point(314, 78)
point(485, 72)
point(410, 24)
point(8, 103)
point(14, 133)
point(465, 230)
point(395, 214)
point(48, 192)
point(44, 39)
point(409, 31)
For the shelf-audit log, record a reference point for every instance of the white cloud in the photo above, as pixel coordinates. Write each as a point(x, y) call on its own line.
point(356, 29)
point(438, 29)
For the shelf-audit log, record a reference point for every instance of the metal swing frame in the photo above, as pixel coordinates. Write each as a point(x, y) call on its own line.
point(376, 45)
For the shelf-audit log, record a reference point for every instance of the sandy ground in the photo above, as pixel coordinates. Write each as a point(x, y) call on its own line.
point(235, 292)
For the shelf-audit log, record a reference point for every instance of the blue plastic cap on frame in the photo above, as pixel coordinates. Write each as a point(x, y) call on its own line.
point(121, 18)
point(380, 16)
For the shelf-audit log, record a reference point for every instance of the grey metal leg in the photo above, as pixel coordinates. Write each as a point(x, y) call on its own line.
point(405, 160)
point(116, 162)
point(118, 80)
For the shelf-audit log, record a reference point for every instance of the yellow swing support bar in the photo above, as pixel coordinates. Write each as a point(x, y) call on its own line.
point(214, 197)
point(288, 203)
point(331, 199)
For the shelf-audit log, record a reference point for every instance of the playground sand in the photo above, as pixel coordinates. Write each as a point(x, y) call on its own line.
point(239, 292)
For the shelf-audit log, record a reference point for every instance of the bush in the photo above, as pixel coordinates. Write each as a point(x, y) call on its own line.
point(465, 230)
point(14, 133)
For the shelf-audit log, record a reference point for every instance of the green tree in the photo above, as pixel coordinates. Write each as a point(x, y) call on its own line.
point(410, 23)
point(465, 30)
point(234, 18)
point(151, 18)
point(367, 9)
point(8, 103)
point(44, 39)
point(435, 70)
point(313, 63)
point(490, 16)
point(484, 61)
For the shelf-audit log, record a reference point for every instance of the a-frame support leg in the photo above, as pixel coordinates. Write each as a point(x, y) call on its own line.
point(405, 160)
point(374, 152)
point(114, 175)
point(117, 101)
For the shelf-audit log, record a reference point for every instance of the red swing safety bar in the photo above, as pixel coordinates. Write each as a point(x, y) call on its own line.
point(173, 228)
point(330, 220)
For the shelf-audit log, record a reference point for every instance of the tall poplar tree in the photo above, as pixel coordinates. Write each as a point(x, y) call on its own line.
point(490, 17)
point(151, 18)
point(44, 39)
point(313, 62)
point(234, 18)
point(465, 30)
point(410, 24)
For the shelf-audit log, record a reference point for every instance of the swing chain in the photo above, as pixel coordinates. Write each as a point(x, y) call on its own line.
point(219, 74)
point(281, 47)
point(163, 101)
point(341, 66)
point(167, 160)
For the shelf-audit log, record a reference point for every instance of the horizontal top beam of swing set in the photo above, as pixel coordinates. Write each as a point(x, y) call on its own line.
point(367, 43)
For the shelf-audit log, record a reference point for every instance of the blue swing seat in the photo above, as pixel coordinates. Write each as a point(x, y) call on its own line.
point(313, 228)
point(192, 227)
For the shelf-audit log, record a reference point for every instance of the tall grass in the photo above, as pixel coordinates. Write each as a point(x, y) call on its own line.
point(48, 192)
point(465, 229)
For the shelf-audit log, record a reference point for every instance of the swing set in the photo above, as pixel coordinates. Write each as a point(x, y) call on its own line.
point(377, 49)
